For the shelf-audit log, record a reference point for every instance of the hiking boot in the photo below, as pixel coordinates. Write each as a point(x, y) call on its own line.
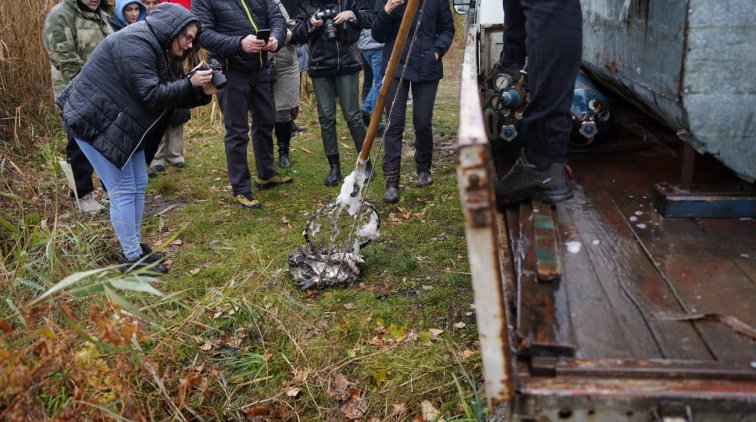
point(179, 165)
point(334, 176)
point(424, 177)
point(247, 200)
point(272, 181)
point(159, 168)
point(89, 205)
point(524, 182)
point(151, 172)
point(391, 195)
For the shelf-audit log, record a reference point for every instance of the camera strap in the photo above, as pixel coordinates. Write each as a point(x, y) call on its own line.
point(254, 25)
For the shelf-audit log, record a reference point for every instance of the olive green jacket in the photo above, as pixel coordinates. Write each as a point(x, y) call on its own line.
point(70, 37)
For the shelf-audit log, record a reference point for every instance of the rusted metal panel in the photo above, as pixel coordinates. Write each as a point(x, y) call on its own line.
point(689, 64)
point(652, 368)
point(476, 192)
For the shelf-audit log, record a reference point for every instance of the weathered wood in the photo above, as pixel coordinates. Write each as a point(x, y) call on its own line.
point(679, 253)
point(542, 314)
point(547, 254)
point(604, 323)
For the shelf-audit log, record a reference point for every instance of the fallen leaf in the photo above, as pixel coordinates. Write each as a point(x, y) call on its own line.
point(258, 411)
point(380, 377)
point(348, 306)
point(398, 408)
point(207, 346)
point(354, 409)
point(406, 214)
point(194, 271)
point(460, 325)
point(305, 150)
point(339, 390)
point(430, 413)
point(435, 332)
point(170, 314)
point(293, 392)
point(301, 375)
point(177, 242)
point(467, 354)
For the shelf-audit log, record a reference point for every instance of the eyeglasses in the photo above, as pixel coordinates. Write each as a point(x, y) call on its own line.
point(188, 39)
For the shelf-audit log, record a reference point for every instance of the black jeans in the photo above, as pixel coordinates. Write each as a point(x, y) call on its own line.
point(550, 33)
point(82, 169)
point(424, 96)
point(246, 93)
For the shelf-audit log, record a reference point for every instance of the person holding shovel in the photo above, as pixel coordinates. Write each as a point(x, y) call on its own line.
point(429, 38)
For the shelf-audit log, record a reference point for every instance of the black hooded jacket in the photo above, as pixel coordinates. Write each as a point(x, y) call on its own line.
point(332, 57)
point(118, 101)
point(434, 35)
point(225, 23)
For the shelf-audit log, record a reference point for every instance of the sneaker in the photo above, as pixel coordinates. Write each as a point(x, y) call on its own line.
point(88, 205)
point(179, 165)
point(148, 251)
point(272, 182)
point(524, 182)
point(247, 200)
point(149, 263)
point(159, 168)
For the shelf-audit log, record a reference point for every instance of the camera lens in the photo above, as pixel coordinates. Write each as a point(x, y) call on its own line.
point(330, 30)
point(219, 80)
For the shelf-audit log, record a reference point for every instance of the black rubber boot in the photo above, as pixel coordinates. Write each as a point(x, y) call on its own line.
point(334, 177)
point(283, 137)
point(391, 195)
point(424, 177)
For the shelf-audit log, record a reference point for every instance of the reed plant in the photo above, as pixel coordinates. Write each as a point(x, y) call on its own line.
point(26, 103)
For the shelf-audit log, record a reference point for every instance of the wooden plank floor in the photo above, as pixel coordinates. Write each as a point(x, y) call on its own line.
point(636, 277)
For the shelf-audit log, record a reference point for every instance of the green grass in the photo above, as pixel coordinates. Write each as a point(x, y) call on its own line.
point(233, 331)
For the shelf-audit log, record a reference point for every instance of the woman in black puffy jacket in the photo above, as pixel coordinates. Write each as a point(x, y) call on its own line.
point(118, 105)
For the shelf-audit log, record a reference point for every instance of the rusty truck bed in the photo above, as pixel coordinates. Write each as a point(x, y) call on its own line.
point(657, 310)
point(649, 318)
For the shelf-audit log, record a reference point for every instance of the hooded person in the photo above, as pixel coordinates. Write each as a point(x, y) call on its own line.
point(126, 13)
point(72, 30)
point(117, 106)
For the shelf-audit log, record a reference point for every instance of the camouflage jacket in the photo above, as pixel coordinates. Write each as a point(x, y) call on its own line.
point(70, 37)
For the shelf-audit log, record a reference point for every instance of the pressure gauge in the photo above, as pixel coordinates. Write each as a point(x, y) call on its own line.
point(502, 81)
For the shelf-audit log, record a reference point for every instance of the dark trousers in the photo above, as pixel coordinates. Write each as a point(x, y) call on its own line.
point(424, 96)
point(246, 94)
point(550, 33)
point(367, 77)
point(82, 169)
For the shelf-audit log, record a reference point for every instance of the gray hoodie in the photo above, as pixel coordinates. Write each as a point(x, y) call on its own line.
point(366, 41)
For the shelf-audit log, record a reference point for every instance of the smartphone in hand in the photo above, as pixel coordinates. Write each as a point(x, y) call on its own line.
point(263, 34)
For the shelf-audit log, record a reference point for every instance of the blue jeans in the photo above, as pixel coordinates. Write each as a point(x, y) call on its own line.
point(373, 57)
point(126, 188)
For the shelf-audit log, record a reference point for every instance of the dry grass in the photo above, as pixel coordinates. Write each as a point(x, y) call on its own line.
point(26, 107)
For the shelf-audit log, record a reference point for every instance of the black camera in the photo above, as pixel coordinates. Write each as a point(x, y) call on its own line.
point(327, 15)
point(219, 79)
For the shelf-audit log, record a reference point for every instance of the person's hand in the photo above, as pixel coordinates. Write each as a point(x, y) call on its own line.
point(315, 22)
point(210, 89)
point(201, 77)
point(272, 44)
point(250, 44)
point(344, 16)
point(288, 36)
point(436, 53)
point(391, 5)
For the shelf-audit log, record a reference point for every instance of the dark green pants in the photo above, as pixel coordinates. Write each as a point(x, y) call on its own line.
point(347, 89)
